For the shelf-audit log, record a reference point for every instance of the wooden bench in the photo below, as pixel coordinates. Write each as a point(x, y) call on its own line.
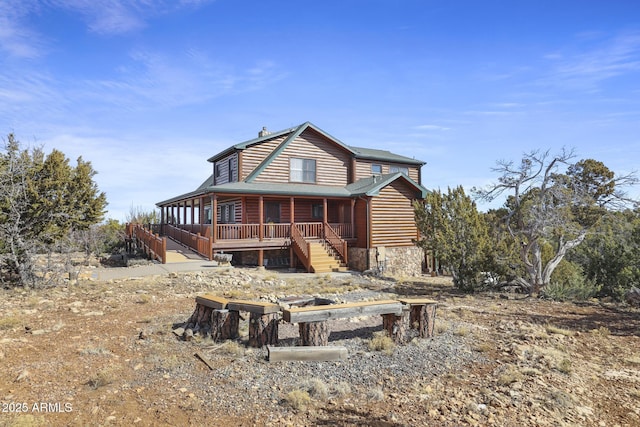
point(422, 315)
point(312, 320)
point(263, 320)
point(212, 317)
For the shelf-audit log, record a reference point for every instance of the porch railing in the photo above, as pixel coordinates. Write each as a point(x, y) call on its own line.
point(152, 244)
point(199, 243)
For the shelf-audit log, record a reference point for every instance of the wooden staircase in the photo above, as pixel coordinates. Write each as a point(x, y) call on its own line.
point(323, 260)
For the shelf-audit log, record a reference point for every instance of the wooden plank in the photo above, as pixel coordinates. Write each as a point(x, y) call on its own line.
point(338, 311)
point(417, 301)
point(204, 359)
point(259, 307)
point(213, 301)
point(320, 354)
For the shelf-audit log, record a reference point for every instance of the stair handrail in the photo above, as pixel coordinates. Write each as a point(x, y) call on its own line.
point(336, 242)
point(301, 246)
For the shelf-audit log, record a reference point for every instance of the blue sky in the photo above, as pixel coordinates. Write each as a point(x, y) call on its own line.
point(148, 90)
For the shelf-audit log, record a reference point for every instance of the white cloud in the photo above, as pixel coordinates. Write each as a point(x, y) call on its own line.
point(16, 38)
point(610, 58)
point(432, 128)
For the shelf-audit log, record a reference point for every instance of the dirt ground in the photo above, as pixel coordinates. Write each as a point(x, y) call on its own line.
point(104, 353)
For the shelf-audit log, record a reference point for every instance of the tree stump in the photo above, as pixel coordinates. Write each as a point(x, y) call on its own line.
point(423, 318)
point(224, 325)
point(263, 329)
point(396, 326)
point(200, 320)
point(314, 333)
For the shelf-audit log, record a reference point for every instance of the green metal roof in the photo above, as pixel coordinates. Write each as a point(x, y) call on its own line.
point(370, 186)
point(358, 152)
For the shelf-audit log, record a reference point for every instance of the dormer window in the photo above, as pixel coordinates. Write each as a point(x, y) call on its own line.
point(376, 169)
point(394, 169)
point(302, 170)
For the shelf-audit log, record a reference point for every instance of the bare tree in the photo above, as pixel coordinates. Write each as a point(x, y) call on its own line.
point(552, 201)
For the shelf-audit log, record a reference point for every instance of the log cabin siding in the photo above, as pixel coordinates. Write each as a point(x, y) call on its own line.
point(223, 167)
point(392, 217)
point(363, 169)
point(332, 162)
point(361, 220)
point(254, 155)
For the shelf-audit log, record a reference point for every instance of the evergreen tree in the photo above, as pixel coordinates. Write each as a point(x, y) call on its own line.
point(451, 226)
point(42, 199)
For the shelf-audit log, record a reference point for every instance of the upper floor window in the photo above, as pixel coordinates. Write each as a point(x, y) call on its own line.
point(302, 170)
point(376, 169)
point(394, 169)
point(232, 168)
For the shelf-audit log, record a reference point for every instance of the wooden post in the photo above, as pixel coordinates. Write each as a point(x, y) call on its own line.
point(314, 333)
point(261, 218)
point(263, 329)
point(423, 318)
point(260, 258)
point(224, 325)
point(396, 326)
point(214, 218)
point(292, 208)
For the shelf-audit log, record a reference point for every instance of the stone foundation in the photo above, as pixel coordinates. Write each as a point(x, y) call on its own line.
point(401, 261)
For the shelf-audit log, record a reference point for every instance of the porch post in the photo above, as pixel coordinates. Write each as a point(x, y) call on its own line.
point(173, 214)
point(178, 222)
point(214, 218)
point(292, 207)
point(184, 212)
point(325, 218)
point(161, 220)
point(193, 211)
point(261, 219)
point(353, 214)
point(260, 258)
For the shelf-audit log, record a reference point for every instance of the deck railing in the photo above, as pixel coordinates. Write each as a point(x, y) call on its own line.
point(199, 243)
point(152, 244)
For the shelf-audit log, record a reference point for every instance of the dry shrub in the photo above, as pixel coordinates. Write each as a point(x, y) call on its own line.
point(316, 388)
point(510, 375)
point(376, 394)
point(559, 331)
point(232, 348)
point(342, 389)
point(9, 323)
point(298, 399)
point(382, 342)
point(102, 378)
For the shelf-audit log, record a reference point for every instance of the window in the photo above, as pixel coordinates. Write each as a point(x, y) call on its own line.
point(317, 211)
point(376, 169)
point(394, 169)
point(217, 168)
point(302, 170)
point(231, 169)
point(228, 213)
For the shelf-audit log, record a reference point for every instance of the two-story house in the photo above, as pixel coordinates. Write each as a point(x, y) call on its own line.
point(302, 198)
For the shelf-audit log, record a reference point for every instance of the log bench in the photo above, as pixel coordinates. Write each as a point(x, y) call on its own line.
point(422, 315)
point(263, 320)
point(312, 320)
point(212, 317)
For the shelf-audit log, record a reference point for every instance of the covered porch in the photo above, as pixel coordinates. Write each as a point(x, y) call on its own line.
point(258, 222)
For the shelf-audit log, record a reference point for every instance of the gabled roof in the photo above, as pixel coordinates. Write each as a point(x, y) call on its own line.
point(372, 185)
point(294, 132)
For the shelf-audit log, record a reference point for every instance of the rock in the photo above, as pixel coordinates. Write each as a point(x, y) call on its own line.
point(179, 331)
point(188, 335)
